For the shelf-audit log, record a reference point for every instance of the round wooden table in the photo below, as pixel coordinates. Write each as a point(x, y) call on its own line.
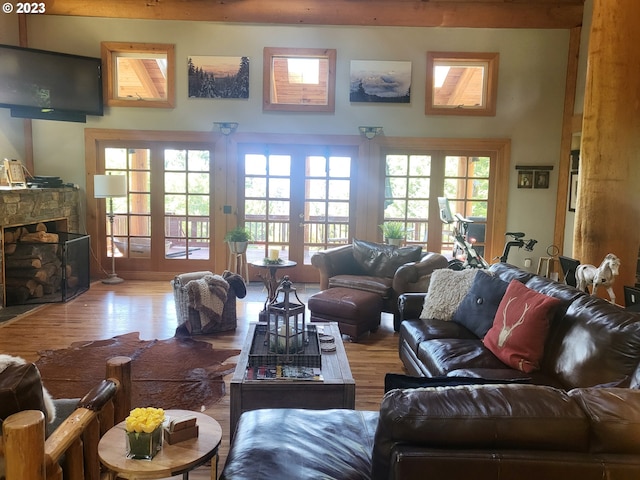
point(270, 280)
point(171, 460)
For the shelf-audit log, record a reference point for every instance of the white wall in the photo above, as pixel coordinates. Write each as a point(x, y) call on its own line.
point(530, 93)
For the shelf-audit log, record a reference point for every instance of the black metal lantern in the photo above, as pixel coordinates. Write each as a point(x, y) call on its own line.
point(286, 333)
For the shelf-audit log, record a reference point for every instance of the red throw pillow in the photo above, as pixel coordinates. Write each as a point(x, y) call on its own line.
point(520, 327)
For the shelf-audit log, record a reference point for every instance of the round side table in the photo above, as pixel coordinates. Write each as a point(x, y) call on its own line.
point(176, 459)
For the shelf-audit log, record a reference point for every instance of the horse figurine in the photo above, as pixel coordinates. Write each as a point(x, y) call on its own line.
point(603, 276)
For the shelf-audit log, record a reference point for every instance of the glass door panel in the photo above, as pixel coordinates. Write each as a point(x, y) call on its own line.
point(296, 201)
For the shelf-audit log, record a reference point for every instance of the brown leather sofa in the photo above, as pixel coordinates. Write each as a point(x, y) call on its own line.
point(382, 269)
point(568, 422)
point(590, 341)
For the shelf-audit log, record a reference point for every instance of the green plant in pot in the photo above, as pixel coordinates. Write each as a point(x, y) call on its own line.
point(394, 232)
point(238, 239)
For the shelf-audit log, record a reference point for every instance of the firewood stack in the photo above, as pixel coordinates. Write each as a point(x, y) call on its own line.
point(33, 265)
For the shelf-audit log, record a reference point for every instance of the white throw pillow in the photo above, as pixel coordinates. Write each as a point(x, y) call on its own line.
point(447, 288)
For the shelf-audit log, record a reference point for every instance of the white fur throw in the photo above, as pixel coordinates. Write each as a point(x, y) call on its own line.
point(447, 288)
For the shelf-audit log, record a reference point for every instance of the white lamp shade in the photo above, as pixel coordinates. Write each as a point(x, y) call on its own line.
point(107, 186)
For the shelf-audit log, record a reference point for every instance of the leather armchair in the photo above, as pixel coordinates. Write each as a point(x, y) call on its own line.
point(338, 267)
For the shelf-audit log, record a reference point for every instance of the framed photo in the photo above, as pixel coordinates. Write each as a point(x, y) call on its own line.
point(218, 77)
point(541, 179)
point(374, 81)
point(299, 79)
point(525, 179)
point(15, 172)
point(573, 191)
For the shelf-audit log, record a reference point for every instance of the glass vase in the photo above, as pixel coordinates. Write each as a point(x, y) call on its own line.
point(142, 445)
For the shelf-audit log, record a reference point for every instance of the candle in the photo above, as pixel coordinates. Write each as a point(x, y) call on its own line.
point(273, 254)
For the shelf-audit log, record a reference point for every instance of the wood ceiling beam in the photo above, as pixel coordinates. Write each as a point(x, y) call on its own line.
point(409, 13)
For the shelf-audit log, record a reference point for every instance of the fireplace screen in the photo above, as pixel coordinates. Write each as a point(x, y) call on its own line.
point(46, 268)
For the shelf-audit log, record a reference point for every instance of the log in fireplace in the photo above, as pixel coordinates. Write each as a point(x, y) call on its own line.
point(40, 259)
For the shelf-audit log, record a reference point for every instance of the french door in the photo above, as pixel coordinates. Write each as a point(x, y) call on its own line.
point(164, 222)
point(296, 198)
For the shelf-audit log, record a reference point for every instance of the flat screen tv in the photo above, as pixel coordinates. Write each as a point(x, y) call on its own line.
point(50, 85)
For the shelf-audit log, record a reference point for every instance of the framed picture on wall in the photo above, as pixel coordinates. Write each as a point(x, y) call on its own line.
point(541, 179)
point(573, 191)
point(525, 179)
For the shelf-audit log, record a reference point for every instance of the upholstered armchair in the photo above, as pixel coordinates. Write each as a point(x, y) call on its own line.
point(383, 269)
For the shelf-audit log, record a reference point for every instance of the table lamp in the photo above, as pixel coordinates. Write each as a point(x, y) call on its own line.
point(110, 186)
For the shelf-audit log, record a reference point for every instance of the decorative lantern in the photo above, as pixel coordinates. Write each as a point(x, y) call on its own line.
point(286, 333)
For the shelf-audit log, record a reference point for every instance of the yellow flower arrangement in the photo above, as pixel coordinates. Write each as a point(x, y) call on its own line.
point(144, 432)
point(144, 419)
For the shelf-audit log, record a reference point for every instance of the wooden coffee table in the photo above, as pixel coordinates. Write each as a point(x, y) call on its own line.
point(336, 390)
point(176, 459)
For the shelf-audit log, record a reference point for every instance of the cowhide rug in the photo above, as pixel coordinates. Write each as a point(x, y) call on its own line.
point(178, 372)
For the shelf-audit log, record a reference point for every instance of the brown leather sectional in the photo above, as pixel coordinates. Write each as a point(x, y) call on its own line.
point(578, 417)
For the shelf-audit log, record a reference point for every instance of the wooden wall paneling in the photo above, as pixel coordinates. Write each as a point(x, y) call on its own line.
point(562, 197)
point(443, 13)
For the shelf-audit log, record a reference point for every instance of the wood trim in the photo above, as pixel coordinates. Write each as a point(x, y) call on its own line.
point(568, 128)
point(109, 51)
point(497, 210)
point(269, 78)
point(490, 94)
point(409, 13)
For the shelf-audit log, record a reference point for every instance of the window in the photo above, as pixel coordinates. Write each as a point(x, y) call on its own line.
point(461, 83)
point(139, 74)
point(299, 79)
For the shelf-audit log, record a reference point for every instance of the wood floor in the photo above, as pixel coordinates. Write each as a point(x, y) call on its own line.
point(148, 307)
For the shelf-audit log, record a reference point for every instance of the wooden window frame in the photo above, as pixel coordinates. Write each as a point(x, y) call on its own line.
point(110, 52)
point(490, 90)
point(267, 86)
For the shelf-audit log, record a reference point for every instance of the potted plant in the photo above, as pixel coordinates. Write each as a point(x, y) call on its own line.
point(238, 239)
point(394, 232)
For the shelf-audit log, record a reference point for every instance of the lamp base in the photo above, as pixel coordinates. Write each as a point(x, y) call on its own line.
point(113, 279)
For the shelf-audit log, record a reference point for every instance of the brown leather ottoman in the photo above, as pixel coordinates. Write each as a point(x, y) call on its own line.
point(355, 311)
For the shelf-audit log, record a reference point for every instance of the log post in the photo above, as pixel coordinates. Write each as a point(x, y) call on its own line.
point(24, 445)
point(120, 369)
point(608, 203)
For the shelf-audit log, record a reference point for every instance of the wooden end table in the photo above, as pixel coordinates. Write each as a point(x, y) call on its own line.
point(336, 390)
point(176, 459)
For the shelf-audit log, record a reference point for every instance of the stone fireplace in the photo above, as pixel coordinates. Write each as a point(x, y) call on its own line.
point(43, 259)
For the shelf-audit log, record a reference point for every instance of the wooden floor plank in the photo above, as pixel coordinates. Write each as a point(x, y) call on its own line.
point(148, 307)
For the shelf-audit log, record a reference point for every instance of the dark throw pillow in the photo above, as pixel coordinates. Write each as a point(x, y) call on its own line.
point(520, 328)
point(380, 260)
point(479, 306)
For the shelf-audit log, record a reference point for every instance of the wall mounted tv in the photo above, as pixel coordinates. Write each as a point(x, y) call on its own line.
point(50, 85)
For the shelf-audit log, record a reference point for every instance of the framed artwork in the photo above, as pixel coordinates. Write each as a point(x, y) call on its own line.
point(573, 191)
point(218, 77)
point(461, 83)
point(525, 179)
point(380, 81)
point(541, 179)
point(299, 79)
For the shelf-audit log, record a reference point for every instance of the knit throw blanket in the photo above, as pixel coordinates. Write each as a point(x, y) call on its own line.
point(207, 295)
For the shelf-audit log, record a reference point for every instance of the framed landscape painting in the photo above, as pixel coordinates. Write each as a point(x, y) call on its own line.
point(218, 77)
point(380, 81)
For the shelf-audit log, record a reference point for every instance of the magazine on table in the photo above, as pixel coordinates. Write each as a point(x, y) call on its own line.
point(284, 372)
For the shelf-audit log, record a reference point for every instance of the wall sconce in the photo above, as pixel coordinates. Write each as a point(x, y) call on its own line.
point(226, 128)
point(370, 132)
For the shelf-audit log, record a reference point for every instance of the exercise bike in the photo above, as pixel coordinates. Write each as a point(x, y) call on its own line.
point(464, 254)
